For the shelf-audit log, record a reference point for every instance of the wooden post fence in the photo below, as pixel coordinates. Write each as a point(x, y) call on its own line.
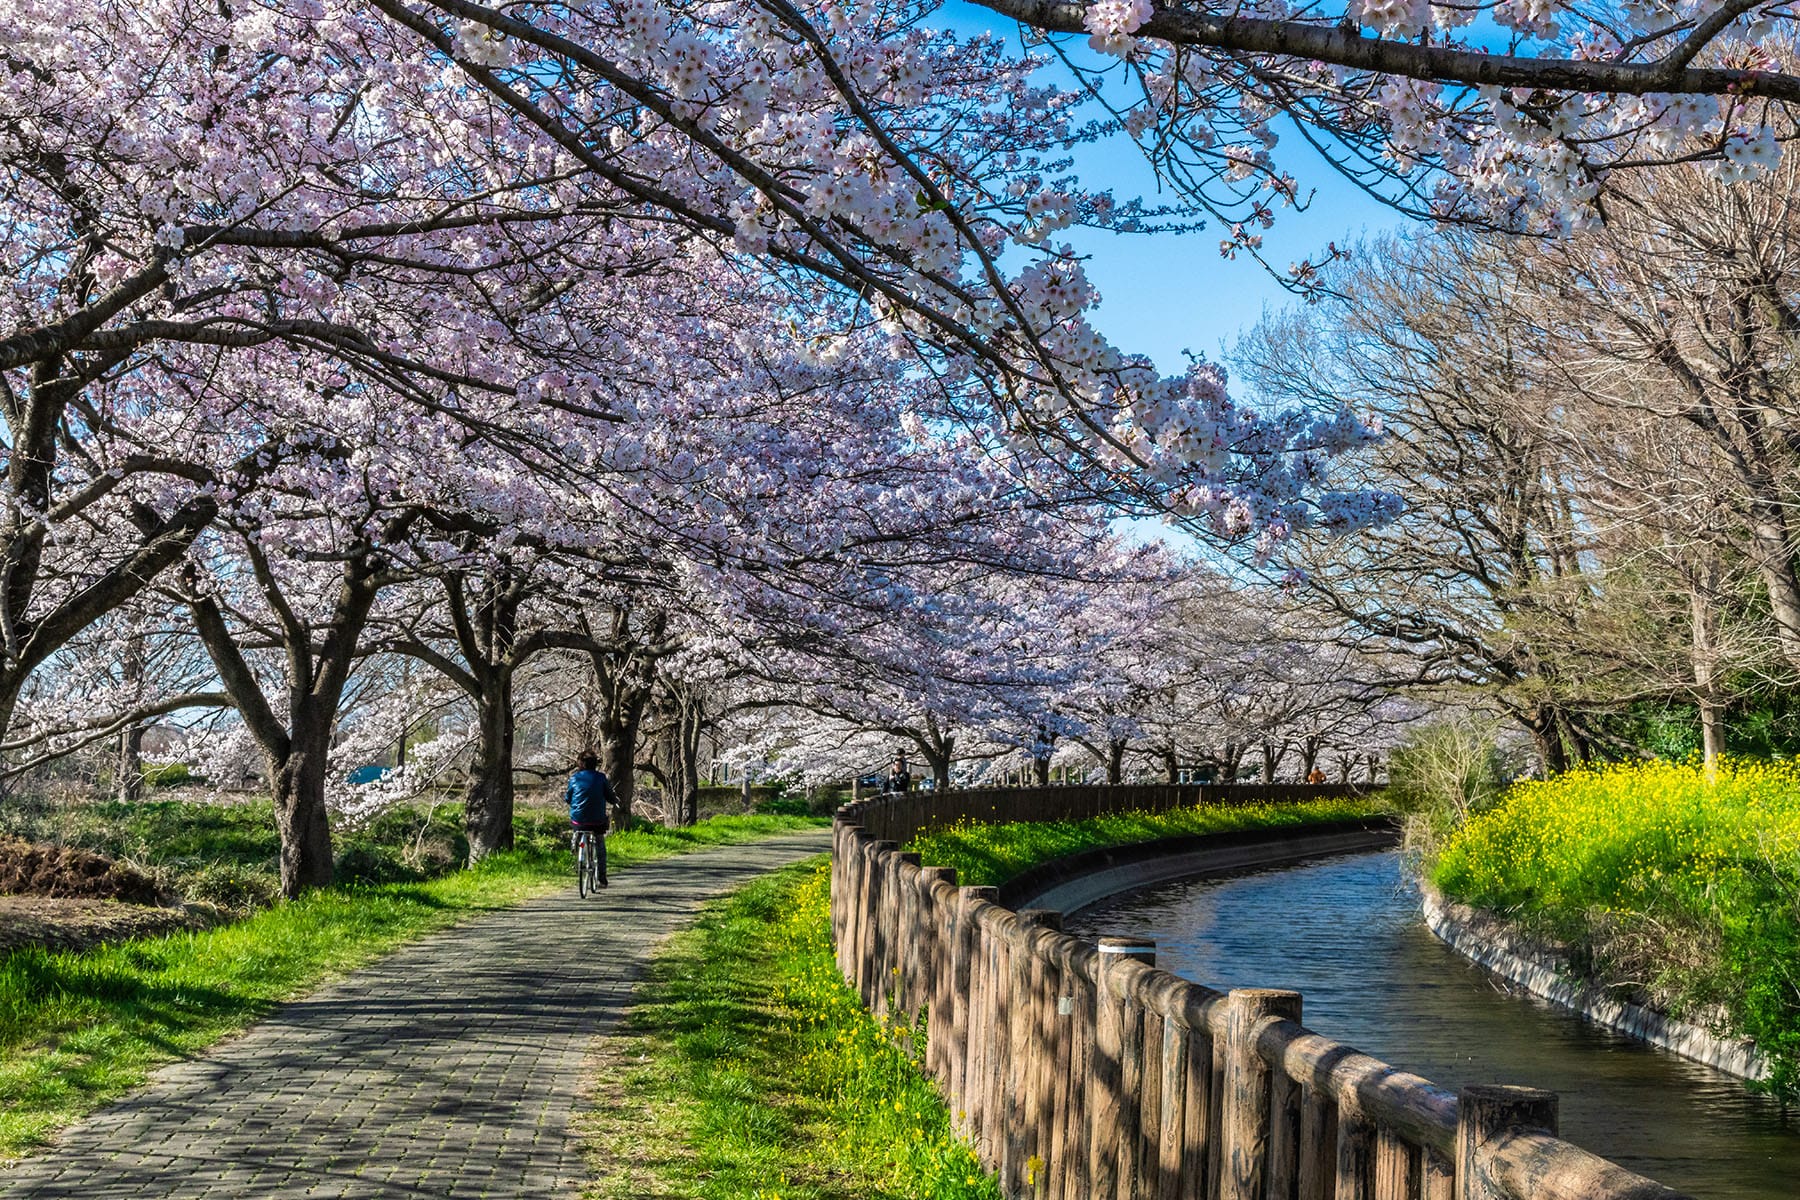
point(1078, 1070)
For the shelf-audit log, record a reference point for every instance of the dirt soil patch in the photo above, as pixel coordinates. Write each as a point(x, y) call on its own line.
point(66, 873)
point(64, 924)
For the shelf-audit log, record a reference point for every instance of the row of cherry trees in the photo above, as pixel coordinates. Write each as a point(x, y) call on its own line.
point(673, 334)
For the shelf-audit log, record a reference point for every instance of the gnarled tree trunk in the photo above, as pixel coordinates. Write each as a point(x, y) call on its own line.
point(297, 781)
point(488, 799)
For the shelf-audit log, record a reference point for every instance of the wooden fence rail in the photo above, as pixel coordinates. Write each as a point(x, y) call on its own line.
point(1079, 1070)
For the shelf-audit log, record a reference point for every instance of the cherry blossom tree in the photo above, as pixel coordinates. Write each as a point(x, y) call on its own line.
point(1512, 115)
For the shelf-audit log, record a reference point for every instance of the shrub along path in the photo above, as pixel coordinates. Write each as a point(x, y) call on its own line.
point(450, 1068)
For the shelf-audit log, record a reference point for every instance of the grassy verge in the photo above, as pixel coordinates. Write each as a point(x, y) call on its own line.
point(79, 1029)
point(992, 854)
point(1656, 874)
point(748, 1070)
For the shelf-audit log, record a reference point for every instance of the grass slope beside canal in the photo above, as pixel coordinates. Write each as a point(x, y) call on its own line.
point(991, 854)
point(80, 1029)
point(1652, 873)
point(749, 1070)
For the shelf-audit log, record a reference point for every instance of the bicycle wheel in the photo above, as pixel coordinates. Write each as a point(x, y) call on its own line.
point(581, 865)
point(593, 864)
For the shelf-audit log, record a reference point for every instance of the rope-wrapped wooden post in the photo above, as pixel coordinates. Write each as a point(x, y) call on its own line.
point(1484, 1115)
point(1109, 1101)
point(1248, 1092)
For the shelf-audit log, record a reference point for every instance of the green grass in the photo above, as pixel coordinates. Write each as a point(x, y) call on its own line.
point(748, 1070)
point(988, 855)
point(80, 1029)
point(1651, 872)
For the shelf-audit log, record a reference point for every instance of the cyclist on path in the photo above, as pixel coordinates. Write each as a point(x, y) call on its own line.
point(590, 799)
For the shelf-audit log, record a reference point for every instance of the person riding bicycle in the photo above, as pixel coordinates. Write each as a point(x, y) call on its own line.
point(590, 800)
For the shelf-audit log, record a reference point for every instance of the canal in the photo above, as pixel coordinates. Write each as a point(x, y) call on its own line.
point(1346, 934)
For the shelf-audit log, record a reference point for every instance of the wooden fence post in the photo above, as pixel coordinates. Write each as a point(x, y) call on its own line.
point(938, 898)
point(903, 965)
point(1075, 1003)
point(1485, 1113)
point(862, 899)
point(1019, 1109)
point(1109, 1104)
point(1355, 1157)
point(881, 925)
point(995, 1099)
point(1200, 1106)
point(964, 1044)
point(1248, 1092)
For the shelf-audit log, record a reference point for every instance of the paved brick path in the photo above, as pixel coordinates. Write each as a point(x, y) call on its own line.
point(447, 1069)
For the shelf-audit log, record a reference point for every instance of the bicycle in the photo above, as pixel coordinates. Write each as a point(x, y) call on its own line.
point(590, 861)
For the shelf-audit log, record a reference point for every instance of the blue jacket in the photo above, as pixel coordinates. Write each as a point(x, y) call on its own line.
point(590, 794)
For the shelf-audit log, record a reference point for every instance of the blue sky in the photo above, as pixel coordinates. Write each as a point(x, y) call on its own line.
point(1163, 294)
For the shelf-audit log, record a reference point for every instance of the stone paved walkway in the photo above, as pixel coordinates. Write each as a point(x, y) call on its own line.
point(448, 1069)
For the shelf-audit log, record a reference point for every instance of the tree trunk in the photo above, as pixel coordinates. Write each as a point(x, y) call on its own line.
point(1575, 744)
point(128, 766)
point(690, 728)
point(1774, 555)
point(297, 749)
point(1171, 765)
point(128, 769)
point(1309, 757)
point(618, 759)
point(1115, 760)
point(298, 780)
point(1271, 760)
point(1705, 655)
point(1040, 771)
point(488, 801)
point(938, 759)
point(1546, 737)
point(1233, 761)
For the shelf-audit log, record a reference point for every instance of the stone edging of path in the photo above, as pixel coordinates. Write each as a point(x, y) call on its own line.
point(1079, 880)
point(1492, 943)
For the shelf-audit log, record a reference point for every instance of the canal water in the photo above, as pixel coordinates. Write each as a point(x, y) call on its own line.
point(1346, 933)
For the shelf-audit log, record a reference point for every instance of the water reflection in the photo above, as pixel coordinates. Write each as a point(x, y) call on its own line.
point(1346, 934)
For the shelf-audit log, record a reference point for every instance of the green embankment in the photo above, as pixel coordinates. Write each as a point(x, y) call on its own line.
point(991, 854)
point(80, 1029)
point(749, 1070)
point(1688, 887)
